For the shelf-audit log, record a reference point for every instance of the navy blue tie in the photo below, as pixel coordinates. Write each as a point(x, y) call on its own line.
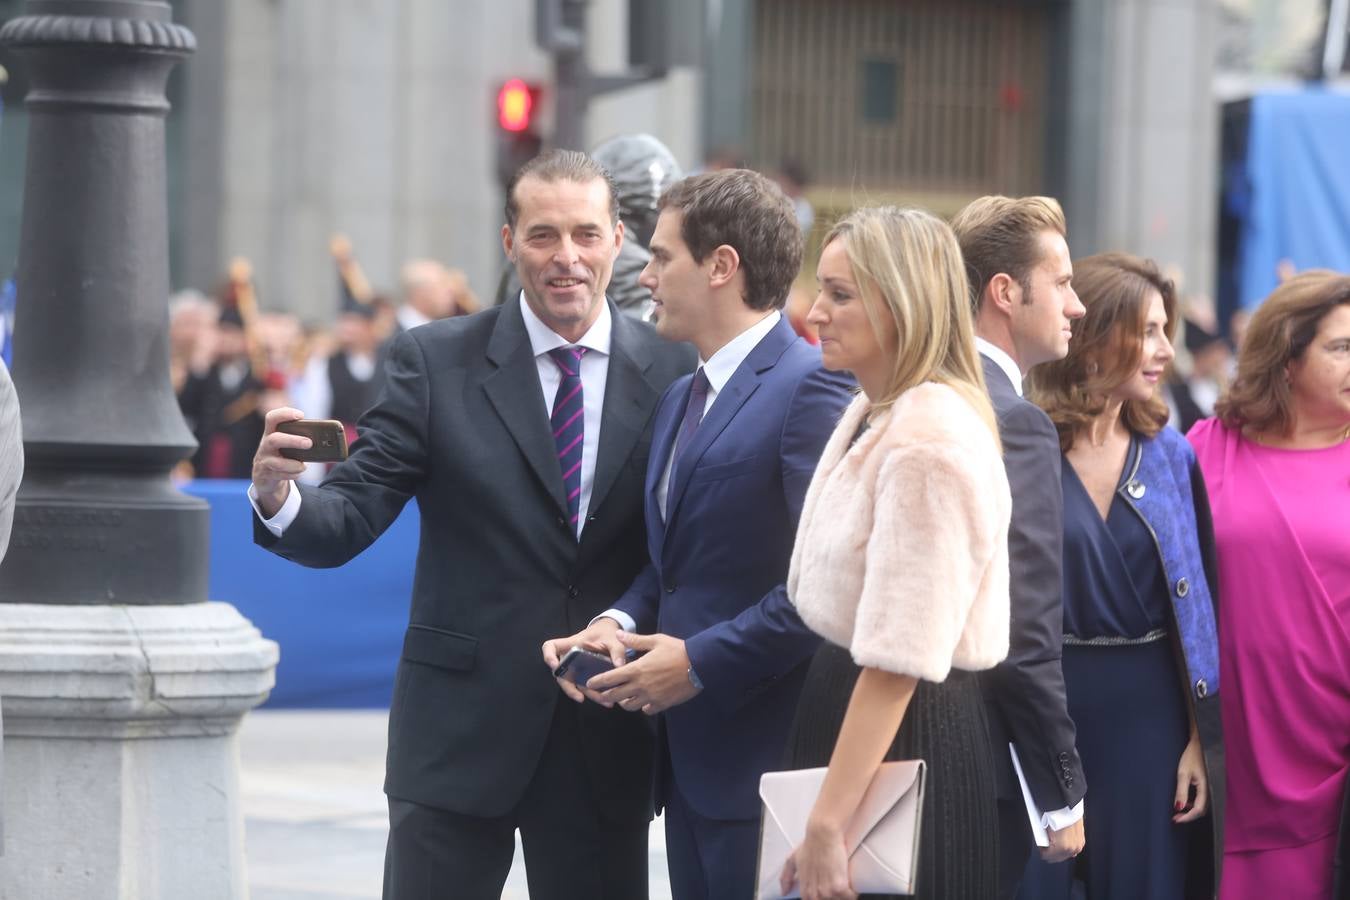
point(693, 411)
point(569, 425)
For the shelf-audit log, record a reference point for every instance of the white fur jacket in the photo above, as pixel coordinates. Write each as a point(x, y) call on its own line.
point(902, 550)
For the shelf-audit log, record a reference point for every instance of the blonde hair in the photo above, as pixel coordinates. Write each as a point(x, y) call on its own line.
point(908, 266)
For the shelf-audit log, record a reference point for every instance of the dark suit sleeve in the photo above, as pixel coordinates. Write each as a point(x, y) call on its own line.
point(364, 494)
point(642, 600)
point(736, 658)
point(1028, 687)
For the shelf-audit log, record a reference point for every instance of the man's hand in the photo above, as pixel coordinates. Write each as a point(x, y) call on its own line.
point(653, 683)
point(1065, 843)
point(272, 472)
point(600, 637)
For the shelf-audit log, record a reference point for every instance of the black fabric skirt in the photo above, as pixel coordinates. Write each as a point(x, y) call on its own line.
point(945, 726)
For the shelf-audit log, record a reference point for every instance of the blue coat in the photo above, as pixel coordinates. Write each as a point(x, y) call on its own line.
point(1166, 489)
point(720, 559)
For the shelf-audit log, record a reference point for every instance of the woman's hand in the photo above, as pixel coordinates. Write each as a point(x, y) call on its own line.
point(1191, 773)
point(819, 865)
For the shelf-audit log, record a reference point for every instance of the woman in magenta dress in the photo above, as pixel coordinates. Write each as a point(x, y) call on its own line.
point(1276, 460)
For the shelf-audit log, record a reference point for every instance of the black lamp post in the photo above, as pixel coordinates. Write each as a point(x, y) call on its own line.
point(98, 520)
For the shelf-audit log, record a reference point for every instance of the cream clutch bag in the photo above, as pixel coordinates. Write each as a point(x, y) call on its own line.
point(882, 840)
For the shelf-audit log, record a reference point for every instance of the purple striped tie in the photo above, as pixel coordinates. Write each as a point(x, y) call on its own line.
point(569, 424)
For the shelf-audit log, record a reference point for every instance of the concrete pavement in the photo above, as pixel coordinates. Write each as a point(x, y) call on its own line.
point(315, 817)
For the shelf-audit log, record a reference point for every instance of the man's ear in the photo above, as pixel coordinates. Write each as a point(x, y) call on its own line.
point(508, 243)
point(723, 264)
point(618, 236)
point(1003, 293)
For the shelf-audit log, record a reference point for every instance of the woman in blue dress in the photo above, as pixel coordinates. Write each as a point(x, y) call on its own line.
point(1140, 645)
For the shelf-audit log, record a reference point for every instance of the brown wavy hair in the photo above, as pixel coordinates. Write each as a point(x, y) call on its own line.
point(1106, 346)
point(1260, 399)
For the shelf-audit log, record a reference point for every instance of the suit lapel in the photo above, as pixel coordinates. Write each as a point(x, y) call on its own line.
point(513, 389)
point(1001, 390)
point(629, 399)
point(664, 430)
point(743, 383)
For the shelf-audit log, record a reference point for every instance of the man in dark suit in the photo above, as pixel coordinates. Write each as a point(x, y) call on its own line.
point(733, 451)
point(523, 433)
point(1021, 278)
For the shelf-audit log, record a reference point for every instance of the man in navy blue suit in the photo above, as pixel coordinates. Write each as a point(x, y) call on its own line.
point(722, 654)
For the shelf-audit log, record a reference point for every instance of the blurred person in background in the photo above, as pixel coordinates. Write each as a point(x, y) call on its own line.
point(221, 399)
point(427, 295)
point(1140, 642)
point(344, 383)
point(1192, 396)
point(1276, 460)
point(191, 316)
point(792, 178)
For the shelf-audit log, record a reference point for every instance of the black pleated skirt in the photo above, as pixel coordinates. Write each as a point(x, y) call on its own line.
point(946, 727)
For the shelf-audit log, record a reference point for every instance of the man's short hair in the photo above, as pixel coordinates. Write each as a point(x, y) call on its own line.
point(561, 165)
point(1001, 236)
point(749, 213)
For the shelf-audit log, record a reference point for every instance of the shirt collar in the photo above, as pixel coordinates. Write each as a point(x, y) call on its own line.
point(544, 339)
point(1003, 361)
point(410, 317)
point(728, 359)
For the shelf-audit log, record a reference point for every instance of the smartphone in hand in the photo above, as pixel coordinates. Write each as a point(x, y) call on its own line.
point(580, 665)
point(328, 440)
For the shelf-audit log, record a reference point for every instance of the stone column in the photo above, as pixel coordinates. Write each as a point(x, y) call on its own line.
point(122, 687)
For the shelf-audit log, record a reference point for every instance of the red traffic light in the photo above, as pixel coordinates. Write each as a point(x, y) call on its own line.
point(515, 103)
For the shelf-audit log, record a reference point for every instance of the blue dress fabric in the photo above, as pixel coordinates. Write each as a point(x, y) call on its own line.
point(1125, 697)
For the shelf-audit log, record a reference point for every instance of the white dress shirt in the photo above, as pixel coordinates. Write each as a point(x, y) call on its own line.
point(410, 317)
point(1056, 819)
point(594, 375)
point(718, 371)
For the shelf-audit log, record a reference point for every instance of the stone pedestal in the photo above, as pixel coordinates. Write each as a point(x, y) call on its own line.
point(120, 761)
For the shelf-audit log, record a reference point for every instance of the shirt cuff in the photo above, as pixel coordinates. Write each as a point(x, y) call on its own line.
point(1059, 819)
point(290, 508)
point(625, 621)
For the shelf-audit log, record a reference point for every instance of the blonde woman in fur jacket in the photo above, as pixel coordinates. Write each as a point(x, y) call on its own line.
point(901, 558)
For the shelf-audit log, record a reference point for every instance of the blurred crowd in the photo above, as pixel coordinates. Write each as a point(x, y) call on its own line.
point(231, 362)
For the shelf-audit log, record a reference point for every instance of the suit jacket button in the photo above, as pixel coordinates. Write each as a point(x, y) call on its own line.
point(572, 591)
point(1201, 689)
point(1183, 587)
point(1135, 489)
point(670, 589)
point(562, 521)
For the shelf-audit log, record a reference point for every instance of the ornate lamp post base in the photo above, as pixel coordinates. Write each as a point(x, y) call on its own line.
point(121, 764)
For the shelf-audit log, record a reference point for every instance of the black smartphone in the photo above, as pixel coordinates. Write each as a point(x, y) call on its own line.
point(328, 440)
point(580, 665)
